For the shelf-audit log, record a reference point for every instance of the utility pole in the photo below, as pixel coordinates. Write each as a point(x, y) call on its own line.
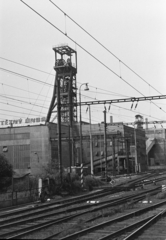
point(70, 158)
point(105, 142)
point(127, 154)
point(135, 142)
point(91, 144)
point(59, 129)
point(113, 156)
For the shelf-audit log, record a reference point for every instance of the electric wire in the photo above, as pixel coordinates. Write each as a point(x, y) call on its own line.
point(88, 52)
point(36, 69)
point(14, 112)
point(125, 108)
point(43, 100)
point(19, 89)
point(24, 76)
point(9, 104)
point(17, 100)
point(41, 91)
point(112, 93)
point(120, 61)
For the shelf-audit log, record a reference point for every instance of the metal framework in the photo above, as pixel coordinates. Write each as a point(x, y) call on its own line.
point(133, 123)
point(132, 99)
point(65, 85)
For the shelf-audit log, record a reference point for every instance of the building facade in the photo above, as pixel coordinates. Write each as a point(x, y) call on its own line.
point(27, 148)
point(31, 148)
point(121, 152)
point(156, 146)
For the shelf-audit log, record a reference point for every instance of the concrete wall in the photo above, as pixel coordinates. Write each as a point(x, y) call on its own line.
point(157, 155)
point(28, 148)
point(98, 142)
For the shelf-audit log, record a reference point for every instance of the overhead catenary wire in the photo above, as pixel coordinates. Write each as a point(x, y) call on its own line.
point(125, 108)
point(40, 93)
point(22, 101)
point(24, 76)
point(42, 100)
point(88, 52)
point(9, 104)
point(19, 89)
point(23, 65)
point(112, 93)
point(4, 110)
point(95, 39)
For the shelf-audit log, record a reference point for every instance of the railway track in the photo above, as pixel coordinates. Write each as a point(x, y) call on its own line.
point(22, 225)
point(30, 208)
point(18, 223)
point(132, 225)
point(154, 228)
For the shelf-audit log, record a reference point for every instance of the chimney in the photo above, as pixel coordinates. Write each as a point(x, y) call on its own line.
point(111, 119)
point(146, 123)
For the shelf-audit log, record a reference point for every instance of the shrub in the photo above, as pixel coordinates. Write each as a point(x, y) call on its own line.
point(6, 172)
point(91, 182)
point(161, 195)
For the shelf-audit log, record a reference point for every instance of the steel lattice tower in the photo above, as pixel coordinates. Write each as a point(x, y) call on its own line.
point(65, 86)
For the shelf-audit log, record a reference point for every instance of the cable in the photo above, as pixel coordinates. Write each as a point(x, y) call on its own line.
point(18, 106)
point(87, 51)
point(25, 97)
point(24, 76)
point(120, 61)
point(125, 108)
point(54, 75)
point(20, 89)
point(21, 101)
point(40, 92)
point(13, 112)
point(25, 66)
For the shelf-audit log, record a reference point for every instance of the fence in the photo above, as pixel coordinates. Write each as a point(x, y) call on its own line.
point(14, 198)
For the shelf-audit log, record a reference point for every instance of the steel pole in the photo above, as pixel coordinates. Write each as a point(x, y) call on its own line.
point(105, 142)
point(91, 145)
point(80, 127)
point(59, 129)
point(135, 140)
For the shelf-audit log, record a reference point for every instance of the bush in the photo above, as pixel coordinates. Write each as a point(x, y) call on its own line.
point(91, 182)
point(6, 172)
point(161, 195)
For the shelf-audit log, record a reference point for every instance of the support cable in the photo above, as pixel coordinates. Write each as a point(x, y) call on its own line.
point(105, 47)
point(86, 51)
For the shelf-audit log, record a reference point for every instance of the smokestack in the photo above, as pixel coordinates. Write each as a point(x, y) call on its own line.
point(146, 123)
point(111, 119)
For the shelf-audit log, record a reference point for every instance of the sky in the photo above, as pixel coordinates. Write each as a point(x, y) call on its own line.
point(129, 61)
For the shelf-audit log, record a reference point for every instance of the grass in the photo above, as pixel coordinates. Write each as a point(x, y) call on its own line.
point(161, 195)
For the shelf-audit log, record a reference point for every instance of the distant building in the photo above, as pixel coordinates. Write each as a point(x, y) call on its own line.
point(156, 146)
point(121, 141)
point(31, 148)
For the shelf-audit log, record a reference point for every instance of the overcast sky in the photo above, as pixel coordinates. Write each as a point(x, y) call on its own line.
point(133, 30)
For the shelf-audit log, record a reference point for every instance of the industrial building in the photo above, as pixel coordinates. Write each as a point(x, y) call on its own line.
point(156, 147)
point(67, 144)
point(31, 148)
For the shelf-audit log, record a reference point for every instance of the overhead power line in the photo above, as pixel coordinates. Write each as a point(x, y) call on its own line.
point(21, 101)
point(24, 76)
point(19, 88)
point(54, 76)
point(134, 111)
point(9, 104)
point(104, 46)
point(87, 51)
point(39, 70)
point(132, 99)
